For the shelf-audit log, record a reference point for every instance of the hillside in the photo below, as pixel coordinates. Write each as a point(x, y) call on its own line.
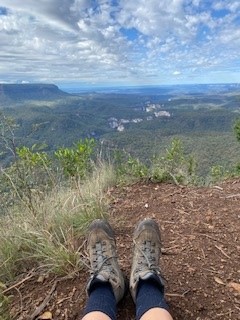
point(142, 121)
point(200, 262)
point(13, 93)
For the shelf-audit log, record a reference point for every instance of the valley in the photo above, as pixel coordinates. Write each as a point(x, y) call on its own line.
point(142, 121)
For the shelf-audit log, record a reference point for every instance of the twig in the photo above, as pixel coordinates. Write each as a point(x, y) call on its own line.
point(80, 294)
point(203, 253)
point(221, 250)
point(166, 251)
point(44, 303)
point(223, 314)
point(63, 299)
point(18, 284)
point(21, 302)
point(170, 194)
point(217, 187)
point(166, 221)
point(174, 178)
point(178, 294)
point(207, 236)
point(12, 184)
point(233, 196)
point(230, 297)
point(214, 271)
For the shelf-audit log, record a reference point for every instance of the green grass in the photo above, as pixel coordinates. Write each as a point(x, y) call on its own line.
point(49, 237)
point(51, 240)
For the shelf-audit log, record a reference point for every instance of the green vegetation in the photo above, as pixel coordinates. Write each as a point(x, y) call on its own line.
point(45, 211)
point(4, 304)
point(237, 132)
point(203, 121)
point(48, 200)
point(48, 213)
point(76, 161)
point(174, 166)
point(48, 237)
point(237, 129)
point(128, 169)
point(51, 191)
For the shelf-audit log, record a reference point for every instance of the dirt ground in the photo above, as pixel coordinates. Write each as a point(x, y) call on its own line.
point(201, 254)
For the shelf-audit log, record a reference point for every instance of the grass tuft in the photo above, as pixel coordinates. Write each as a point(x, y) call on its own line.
point(51, 239)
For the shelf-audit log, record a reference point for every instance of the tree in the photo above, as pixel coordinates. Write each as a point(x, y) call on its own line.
point(237, 129)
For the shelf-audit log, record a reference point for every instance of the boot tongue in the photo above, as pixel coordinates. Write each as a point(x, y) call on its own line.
point(101, 277)
point(147, 275)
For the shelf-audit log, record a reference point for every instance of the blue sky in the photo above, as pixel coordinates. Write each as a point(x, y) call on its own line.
point(119, 42)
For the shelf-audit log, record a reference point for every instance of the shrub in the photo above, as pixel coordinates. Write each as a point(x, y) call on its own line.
point(128, 168)
point(174, 166)
point(30, 174)
point(75, 161)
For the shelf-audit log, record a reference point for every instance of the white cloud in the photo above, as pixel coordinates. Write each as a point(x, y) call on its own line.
point(154, 17)
point(231, 5)
point(61, 40)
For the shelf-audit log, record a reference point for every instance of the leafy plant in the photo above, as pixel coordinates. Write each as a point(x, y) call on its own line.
point(217, 173)
point(30, 174)
point(174, 166)
point(7, 135)
point(129, 168)
point(75, 161)
point(34, 172)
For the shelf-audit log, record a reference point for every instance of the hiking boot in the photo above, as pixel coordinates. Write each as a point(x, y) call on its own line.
point(101, 248)
point(147, 250)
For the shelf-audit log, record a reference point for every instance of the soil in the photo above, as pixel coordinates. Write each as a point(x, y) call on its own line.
point(200, 230)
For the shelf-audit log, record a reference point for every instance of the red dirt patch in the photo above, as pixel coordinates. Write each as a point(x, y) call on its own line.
point(201, 253)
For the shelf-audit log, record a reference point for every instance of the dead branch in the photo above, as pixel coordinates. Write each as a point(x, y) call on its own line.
point(221, 250)
point(212, 238)
point(232, 196)
point(178, 294)
point(18, 283)
point(44, 303)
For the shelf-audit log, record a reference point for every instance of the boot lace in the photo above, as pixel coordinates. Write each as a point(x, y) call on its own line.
point(147, 258)
point(101, 261)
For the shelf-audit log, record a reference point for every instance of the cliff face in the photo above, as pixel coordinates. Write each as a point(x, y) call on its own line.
point(18, 92)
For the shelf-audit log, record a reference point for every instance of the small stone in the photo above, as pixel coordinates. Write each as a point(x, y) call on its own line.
point(58, 312)
point(40, 279)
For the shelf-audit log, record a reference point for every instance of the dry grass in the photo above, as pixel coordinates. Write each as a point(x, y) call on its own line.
point(51, 239)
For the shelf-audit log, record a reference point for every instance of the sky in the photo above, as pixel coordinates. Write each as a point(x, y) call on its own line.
point(119, 42)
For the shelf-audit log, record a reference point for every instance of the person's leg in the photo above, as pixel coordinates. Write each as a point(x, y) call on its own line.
point(107, 285)
point(101, 303)
point(96, 315)
point(150, 301)
point(146, 285)
point(155, 314)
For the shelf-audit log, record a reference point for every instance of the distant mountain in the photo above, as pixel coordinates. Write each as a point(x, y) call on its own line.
point(23, 92)
point(140, 122)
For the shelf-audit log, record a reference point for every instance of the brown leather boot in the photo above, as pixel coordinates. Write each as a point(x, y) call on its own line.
point(147, 250)
point(101, 248)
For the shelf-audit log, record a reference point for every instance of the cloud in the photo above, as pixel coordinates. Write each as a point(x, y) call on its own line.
point(116, 41)
point(154, 18)
point(57, 12)
point(232, 6)
point(176, 73)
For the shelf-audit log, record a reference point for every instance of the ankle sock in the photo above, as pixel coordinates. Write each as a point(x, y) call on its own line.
point(150, 294)
point(101, 298)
